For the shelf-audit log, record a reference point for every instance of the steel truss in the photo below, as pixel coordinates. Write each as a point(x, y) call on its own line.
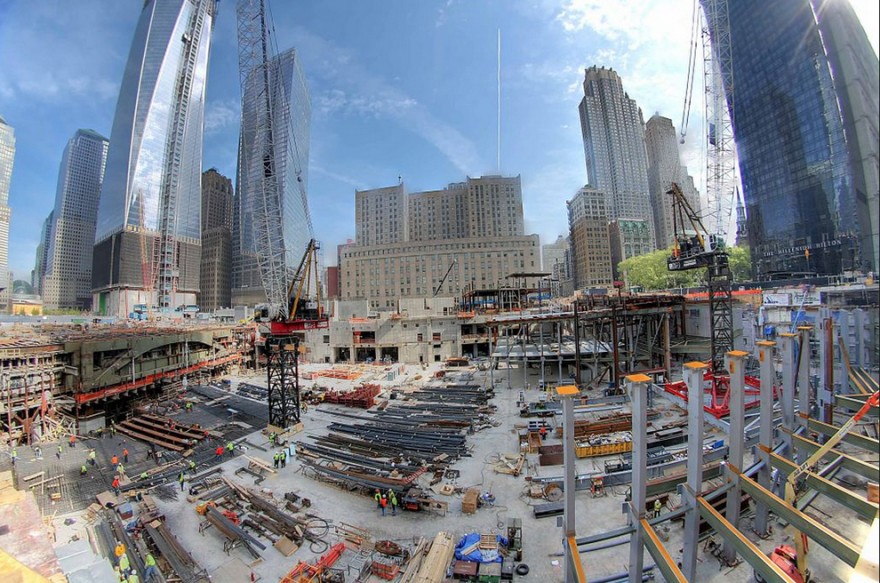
point(282, 367)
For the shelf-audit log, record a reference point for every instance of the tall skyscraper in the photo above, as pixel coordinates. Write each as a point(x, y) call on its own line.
point(292, 111)
point(590, 249)
point(67, 276)
point(805, 119)
point(40, 258)
point(7, 155)
point(664, 168)
point(147, 241)
point(216, 271)
point(614, 146)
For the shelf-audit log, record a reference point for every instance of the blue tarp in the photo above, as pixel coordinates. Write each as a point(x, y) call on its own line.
point(478, 555)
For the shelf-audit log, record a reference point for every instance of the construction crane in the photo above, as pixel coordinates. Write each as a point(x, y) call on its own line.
point(443, 279)
point(710, 29)
point(698, 249)
point(263, 156)
point(794, 561)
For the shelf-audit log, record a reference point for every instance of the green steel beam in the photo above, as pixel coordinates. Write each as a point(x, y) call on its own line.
point(662, 559)
point(760, 562)
point(872, 445)
point(838, 494)
point(836, 544)
point(854, 403)
point(855, 465)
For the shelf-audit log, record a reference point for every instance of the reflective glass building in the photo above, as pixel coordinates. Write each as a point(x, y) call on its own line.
point(292, 111)
point(152, 182)
point(804, 109)
point(7, 156)
point(67, 280)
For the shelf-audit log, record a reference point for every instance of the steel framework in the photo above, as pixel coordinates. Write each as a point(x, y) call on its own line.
point(282, 366)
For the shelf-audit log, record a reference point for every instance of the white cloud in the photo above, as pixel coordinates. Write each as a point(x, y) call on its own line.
point(220, 115)
point(357, 91)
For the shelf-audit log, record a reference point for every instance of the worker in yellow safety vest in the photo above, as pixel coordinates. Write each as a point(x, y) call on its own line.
point(150, 568)
point(124, 564)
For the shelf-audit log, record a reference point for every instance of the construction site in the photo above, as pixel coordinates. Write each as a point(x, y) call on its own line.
point(224, 454)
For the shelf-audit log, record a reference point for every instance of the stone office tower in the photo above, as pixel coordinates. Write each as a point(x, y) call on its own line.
point(216, 271)
point(614, 147)
point(147, 241)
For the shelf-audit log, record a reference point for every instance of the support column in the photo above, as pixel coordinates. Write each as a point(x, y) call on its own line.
point(789, 365)
point(765, 436)
point(693, 376)
point(572, 560)
point(637, 385)
point(736, 366)
point(825, 390)
point(843, 321)
point(803, 383)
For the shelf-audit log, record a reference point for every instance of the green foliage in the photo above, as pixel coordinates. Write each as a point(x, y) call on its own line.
point(740, 263)
point(650, 273)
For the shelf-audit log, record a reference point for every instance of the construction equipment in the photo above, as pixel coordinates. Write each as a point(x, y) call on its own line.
point(304, 310)
point(799, 558)
point(443, 279)
point(697, 249)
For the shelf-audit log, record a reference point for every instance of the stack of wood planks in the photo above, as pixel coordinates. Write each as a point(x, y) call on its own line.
point(434, 566)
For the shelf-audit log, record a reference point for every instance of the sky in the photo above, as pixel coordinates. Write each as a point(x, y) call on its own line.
point(399, 88)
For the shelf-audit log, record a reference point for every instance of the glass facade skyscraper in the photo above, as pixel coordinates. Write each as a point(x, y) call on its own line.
point(291, 108)
point(805, 109)
point(7, 156)
point(67, 278)
point(147, 241)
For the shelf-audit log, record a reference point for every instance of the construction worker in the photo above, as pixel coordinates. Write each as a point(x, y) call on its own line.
point(144, 475)
point(219, 452)
point(283, 459)
point(392, 498)
point(92, 455)
point(59, 452)
point(192, 466)
point(100, 432)
point(657, 507)
point(72, 442)
point(133, 578)
point(38, 452)
point(124, 564)
point(181, 478)
point(272, 438)
point(113, 430)
point(114, 461)
point(83, 470)
point(150, 568)
point(378, 498)
point(14, 456)
point(383, 503)
point(275, 459)
point(120, 469)
point(118, 551)
point(115, 485)
point(125, 455)
point(229, 447)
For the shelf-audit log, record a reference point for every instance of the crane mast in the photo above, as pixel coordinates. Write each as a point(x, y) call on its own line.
point(259, 158)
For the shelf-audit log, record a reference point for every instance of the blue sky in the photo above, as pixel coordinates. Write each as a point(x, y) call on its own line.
point(399, 88)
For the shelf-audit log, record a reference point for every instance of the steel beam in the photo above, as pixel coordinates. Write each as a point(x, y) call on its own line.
point(572, 558)
point(855, 465)
point(854, 403)
point(803, 380)
point(836, 544)
point(752, 554)
point(837, 493)
point(693, 376)
point(637, 385)
point(872, 445)
point(789, 365)
point(666, 564)
point(736, 366)
point(766, 348)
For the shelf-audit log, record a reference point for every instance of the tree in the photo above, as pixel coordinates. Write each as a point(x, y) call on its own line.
point(650, 273)
point(740, 263)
